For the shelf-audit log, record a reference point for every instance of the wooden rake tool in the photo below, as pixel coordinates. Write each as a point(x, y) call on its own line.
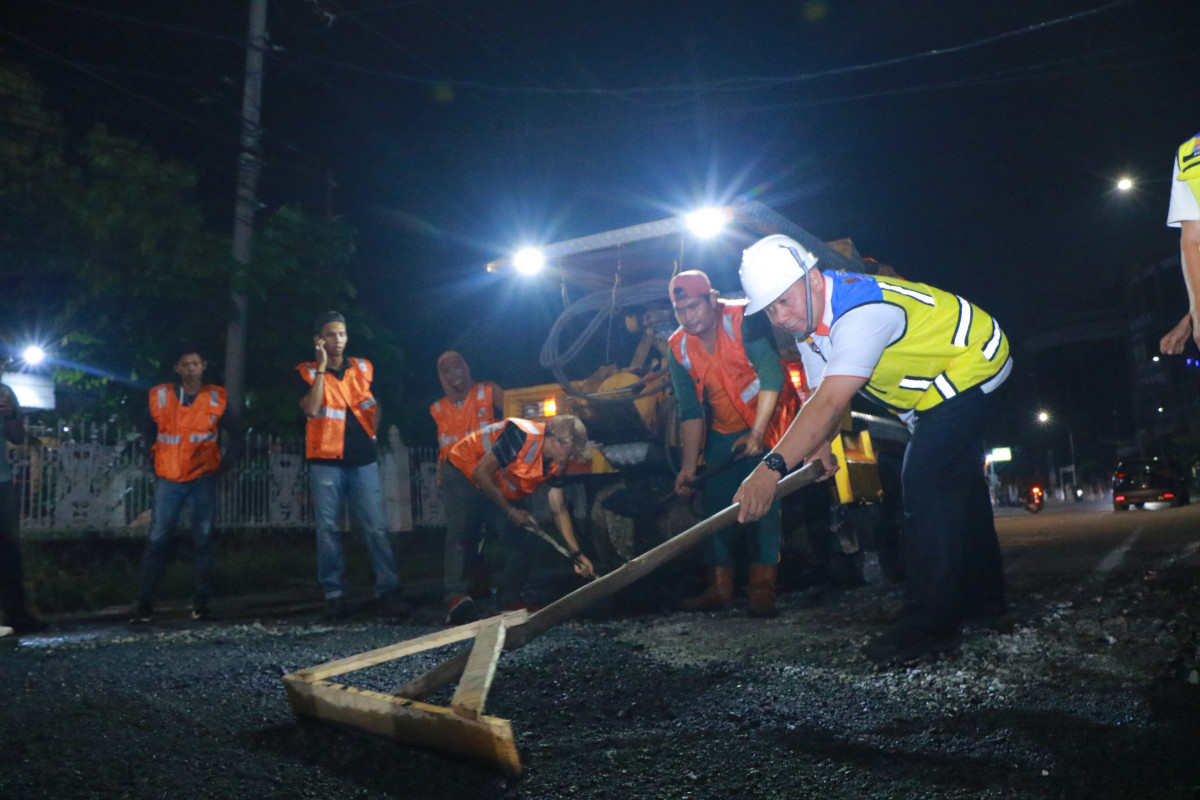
point(461, 728)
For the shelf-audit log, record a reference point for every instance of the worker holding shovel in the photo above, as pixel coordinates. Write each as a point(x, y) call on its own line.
point(732, 367)
point(488, 474)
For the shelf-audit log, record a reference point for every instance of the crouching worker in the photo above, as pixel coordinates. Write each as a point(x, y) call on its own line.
point(487, 476)
point(729, 364)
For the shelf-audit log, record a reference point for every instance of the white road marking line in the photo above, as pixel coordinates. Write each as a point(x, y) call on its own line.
point(1114, 559)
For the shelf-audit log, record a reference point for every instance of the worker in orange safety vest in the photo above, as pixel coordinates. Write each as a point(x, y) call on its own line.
point(487, 476)
point(340, 436)
point(186, 419)
point(729, 366)
point(466, 406)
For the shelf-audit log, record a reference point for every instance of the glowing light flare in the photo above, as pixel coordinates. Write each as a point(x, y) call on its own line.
point(529, 261)
point(797, 376)
point(1124, 184)
point(549, 407)
point(706, 222)
point(33, 355)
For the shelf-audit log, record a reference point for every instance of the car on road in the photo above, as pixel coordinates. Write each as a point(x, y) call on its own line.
point(1149, 480)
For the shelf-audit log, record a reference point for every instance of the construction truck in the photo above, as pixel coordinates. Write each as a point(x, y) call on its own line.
point(607, 352)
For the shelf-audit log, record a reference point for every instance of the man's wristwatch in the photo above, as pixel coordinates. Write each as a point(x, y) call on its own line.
point(775, 461)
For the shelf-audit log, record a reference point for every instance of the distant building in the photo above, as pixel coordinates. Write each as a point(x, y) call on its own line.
point(1165, 390)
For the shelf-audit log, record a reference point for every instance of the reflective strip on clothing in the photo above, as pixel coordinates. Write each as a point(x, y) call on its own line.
point(168, 439)
point(993, 345)
point(915, 295)
point(751, 391)
point(331, 413)
point(964, 322)
point(945, 387)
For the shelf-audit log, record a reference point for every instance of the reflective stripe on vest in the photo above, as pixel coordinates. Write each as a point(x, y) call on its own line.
point(325, 431)
point(523, 474)
point(949, 344)
point(730, 365)
point(185, 447)
point(454, 421)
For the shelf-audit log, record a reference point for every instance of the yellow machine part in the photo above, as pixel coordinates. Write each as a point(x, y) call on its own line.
point(857, 481)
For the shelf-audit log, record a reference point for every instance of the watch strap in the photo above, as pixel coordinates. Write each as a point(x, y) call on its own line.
point(776, 462)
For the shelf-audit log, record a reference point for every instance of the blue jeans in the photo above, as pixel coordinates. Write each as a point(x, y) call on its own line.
point(169, 497)
point(360, 486)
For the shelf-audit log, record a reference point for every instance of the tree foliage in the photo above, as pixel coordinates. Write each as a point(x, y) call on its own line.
point(106, 258)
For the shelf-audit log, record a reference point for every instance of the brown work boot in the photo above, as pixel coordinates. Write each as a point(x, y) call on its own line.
point(761, 591)
point(717, 594)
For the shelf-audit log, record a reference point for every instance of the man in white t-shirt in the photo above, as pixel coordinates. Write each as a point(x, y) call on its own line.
point(937, 361)
point(1184, 213)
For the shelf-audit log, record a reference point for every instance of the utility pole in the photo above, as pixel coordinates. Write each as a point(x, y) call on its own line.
point(249, 166)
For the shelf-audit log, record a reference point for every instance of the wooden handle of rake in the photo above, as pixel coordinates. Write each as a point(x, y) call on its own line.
point(566, 607)
point(537, 531)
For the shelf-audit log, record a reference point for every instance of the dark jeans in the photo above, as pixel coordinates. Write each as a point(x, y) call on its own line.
point(469, 514)
point(12, 576)
point(761, 538)
point(952, 565)
point(169, 497)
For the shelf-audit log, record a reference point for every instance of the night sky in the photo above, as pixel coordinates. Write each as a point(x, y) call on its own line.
point(973, 145)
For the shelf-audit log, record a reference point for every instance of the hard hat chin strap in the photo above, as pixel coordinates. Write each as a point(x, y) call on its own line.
point(806, 261)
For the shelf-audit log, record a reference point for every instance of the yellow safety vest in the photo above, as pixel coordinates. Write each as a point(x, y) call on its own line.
point(949, 345)
point(1189, 164)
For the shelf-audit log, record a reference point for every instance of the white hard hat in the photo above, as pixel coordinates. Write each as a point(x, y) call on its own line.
point(770, 266)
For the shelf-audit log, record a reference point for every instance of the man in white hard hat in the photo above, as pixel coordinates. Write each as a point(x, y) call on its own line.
point(935, 360)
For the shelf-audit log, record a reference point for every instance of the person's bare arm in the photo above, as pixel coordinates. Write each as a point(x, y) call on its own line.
point(807, 437)
point(1176, 339)
point(1189, 254)
point(562, 521)
point(484, 476)
point(750, 443)
point(311, 403)
point(691, 431)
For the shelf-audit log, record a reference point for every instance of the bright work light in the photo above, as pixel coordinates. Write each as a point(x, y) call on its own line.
point(707, 222)
point(33, 355)
point(529, 261)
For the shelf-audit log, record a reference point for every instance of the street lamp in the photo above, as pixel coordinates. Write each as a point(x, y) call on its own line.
point(1043, 417)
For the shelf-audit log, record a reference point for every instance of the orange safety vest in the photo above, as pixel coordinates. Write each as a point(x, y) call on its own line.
point(454, 421)
point(729, 366)
point(187, 446)
point(523, 474)
point(325, 434)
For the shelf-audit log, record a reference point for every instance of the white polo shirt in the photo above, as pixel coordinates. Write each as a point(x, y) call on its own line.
point(1184, 205)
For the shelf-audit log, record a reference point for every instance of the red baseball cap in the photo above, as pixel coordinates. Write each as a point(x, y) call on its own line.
point(687, 284)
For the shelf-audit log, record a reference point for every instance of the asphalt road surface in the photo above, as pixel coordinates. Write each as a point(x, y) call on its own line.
point(1089, 688)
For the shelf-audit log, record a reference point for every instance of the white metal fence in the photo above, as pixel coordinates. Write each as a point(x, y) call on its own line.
point(97, 479)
